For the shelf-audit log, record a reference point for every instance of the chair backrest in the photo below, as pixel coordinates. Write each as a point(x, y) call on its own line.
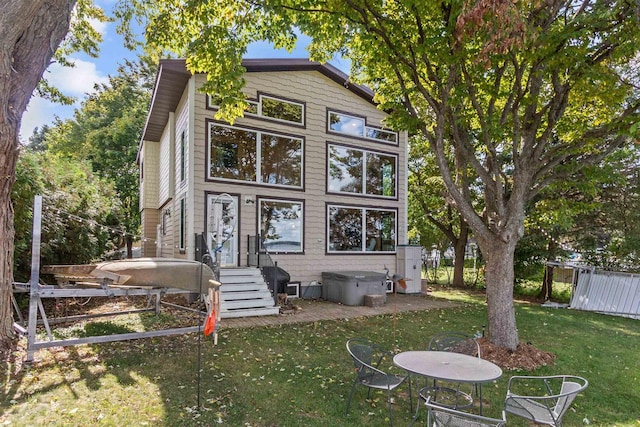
point(543, 398)
point(366, 355)
point(456, 342)
point(568, 392)
point(440, 416)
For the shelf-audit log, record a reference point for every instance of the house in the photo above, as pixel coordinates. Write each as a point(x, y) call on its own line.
point(310, 168)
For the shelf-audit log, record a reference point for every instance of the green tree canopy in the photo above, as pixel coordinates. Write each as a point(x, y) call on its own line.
point(523, 93)
point(79, 211)
point(105, 131)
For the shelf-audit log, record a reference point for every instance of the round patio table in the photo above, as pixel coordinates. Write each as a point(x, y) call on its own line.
point(449, 366)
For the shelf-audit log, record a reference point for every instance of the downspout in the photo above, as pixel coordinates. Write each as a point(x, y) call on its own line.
point(190, 232)
point(406, 187)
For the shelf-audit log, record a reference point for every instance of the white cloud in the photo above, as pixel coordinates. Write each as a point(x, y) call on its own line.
point(75, 82)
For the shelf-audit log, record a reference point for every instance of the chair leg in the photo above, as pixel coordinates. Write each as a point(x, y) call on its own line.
point(415, 416)
point(390, 408)
point(410, 393)
point(353, 387)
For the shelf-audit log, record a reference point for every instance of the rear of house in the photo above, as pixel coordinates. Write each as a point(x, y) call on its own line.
point(310, 167)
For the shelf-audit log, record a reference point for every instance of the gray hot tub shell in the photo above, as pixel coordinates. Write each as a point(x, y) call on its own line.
point(350, 287)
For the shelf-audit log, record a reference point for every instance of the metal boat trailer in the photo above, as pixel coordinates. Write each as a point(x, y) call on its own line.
point(85, 287)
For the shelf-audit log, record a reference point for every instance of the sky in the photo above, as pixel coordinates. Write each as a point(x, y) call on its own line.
point(80, 80)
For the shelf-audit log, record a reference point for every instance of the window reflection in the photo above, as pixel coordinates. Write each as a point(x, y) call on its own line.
point(381, 231)
point(347, 172)
point(281, 225)
point(345, 229)
point(381, 175)
point(355, 126)
point(281, 161)
point(345, 169)
point(233, 153)
point(346, 234)
point(346, 124)
point(282, 110)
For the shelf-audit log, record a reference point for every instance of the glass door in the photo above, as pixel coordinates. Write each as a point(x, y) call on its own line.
point(222, 219)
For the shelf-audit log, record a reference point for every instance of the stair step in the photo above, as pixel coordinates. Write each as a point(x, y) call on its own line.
point(229, 272)
point(243, 287)
point(244, 293)
point(239, 279)
point(234, 296)
point(247, 303)
point(271, 311)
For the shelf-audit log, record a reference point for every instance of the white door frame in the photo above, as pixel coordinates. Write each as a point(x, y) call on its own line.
point(230, 249)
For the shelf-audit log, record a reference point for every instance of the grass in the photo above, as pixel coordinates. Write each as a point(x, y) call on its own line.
point(300, 375)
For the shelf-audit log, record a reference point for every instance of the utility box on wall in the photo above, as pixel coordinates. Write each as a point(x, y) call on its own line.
point(409, 266)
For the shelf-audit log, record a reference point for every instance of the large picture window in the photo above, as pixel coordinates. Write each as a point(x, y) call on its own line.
point(250, 155)
point(358, 229)
point(349, 125)
point(356, 171)
point(281, 225)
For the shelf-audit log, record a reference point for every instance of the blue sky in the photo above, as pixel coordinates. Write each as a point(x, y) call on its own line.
point(79, 81)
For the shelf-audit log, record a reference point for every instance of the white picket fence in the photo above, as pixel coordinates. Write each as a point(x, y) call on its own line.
point(607, 292)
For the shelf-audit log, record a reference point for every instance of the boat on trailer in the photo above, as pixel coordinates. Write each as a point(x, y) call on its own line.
point(192, 276)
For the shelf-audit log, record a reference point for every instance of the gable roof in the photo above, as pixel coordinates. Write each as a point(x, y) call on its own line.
point(173, 77)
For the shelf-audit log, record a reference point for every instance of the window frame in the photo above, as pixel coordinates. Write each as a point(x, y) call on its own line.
point(302, 220)
point(365, 128)
point(363, 223)
point(258, 167)
point(183, 225)
point(365, 152)
point(183, 167)
point(257, 102)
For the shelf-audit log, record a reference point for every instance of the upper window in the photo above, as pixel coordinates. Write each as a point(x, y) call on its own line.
point(356, 171)
point(250, 155)
point(358, 229)
point(182, 157)
point(355, 126)
point(281, 225)
point(275, 108)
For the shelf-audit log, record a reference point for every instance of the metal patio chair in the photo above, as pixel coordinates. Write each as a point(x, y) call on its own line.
point(440, 416)
point(371, 363)
point(542, 399)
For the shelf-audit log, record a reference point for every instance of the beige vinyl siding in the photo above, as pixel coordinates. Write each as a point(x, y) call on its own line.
point(182, 125)
point(319, 93)
point(166, 184)
point(149, 223)
point(168, 239)
point(150, 161)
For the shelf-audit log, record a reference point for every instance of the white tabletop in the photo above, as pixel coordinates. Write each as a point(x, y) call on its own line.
point(446, 365)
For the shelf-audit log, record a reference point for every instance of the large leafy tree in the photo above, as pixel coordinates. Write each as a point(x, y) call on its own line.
point(105, 132)
point(79, 215)
point(428, 199)
point(523, 92)
point(30, 34)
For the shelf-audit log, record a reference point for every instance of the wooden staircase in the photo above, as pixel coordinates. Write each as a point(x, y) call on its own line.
point(244, 293)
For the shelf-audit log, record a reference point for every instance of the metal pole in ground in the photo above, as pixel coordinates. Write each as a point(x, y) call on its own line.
point(34, 281)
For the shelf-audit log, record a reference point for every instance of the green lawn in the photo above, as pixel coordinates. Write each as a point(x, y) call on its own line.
point(300, 375)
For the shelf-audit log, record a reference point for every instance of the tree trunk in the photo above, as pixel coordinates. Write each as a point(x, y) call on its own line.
point(547, 281)
point(8, 159)
point(30, 31)
point(499, 277)
point(459, 247)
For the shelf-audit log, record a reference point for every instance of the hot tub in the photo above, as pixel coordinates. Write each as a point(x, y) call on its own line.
point(350, 287)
